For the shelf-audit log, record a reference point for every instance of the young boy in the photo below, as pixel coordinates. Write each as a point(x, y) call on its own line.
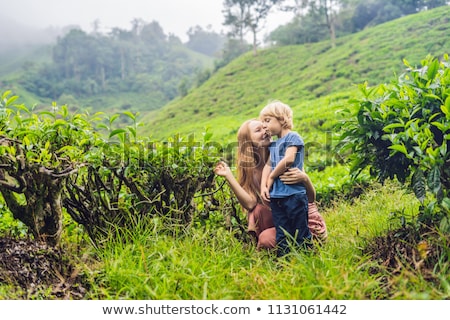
point(289, 202)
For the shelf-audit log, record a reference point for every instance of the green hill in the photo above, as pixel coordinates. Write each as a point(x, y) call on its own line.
point(313, 79)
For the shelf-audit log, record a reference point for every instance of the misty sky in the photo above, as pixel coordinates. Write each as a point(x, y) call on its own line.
point(174, 16)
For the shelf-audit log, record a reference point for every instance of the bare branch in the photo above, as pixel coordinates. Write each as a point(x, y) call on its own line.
point(12, 187)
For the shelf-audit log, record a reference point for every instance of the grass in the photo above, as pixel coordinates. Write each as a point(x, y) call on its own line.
point(154, 262)
point(213, 264)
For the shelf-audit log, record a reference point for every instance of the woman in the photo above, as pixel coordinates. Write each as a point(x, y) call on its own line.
point(253, 142)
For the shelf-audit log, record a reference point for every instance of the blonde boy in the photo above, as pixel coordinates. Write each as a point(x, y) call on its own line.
point(289, 202)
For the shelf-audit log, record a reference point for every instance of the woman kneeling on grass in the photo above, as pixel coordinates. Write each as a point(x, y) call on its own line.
point(253, 143)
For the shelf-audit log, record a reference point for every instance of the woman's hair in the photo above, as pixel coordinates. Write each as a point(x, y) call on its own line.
point(250, 161)
point(279, 110)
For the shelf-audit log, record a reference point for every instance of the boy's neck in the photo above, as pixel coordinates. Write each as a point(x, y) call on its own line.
point(283, 132)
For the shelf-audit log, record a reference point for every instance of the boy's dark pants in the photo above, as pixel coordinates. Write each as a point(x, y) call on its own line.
point(290, 216)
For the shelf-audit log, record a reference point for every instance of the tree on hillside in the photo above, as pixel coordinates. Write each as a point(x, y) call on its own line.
point(120, 39)
point(373, 12)
point(142, 60)
point(205, 41)
point(413, 6)
point(315, 18)
point(235, 18)
point(321, 12)
point(242, 15)
point(152, 33)
point(300, 30)
point(232, 49)
point(71, 52)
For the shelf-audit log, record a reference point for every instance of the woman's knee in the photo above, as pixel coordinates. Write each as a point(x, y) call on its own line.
point(266, 239)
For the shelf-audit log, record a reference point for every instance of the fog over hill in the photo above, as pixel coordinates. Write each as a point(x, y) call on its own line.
point(15, 35)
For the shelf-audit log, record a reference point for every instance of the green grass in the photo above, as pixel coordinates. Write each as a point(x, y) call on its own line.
point(213, 264)
point(157, 262)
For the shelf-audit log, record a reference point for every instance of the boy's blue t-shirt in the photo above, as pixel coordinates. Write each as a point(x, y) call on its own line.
point(277, 152)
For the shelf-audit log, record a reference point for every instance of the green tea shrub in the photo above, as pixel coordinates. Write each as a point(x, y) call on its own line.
point(402, 130)
point(130, 178)
point(38, 152)
point(106, 177)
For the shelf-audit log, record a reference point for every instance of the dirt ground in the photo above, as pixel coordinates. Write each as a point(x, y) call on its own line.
point(418, 251)
point(38, 271)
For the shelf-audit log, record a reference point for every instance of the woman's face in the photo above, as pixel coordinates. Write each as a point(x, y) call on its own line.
point(258, 134)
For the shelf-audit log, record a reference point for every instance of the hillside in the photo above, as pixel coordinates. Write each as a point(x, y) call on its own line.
point(312, 78)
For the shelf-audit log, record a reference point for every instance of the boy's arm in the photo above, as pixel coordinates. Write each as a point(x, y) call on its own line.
point(265, 187)
point(285, 163)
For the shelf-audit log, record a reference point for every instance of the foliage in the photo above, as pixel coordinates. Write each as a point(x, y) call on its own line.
point(370, 13)
point(104, 176)
point(247, 15)
point(299, 30)
point(10, 227)
point(130, 178)
point(316, 20)
point(324, 12)
point(231, 50)
point(336, 183)
point(402, 131)
point(205, 41)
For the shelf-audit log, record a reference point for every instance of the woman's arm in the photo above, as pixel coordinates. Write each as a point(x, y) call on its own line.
point(295, 175)
point(247, 200)
point(285, 163)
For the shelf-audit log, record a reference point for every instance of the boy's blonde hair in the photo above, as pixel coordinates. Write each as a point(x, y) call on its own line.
point(279, 110)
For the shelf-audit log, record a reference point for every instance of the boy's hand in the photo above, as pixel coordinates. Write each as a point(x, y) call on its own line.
point(265, 194)
point(265, 191)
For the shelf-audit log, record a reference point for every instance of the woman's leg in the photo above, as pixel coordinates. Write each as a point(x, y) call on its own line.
point(260, 221)
point(266, 239)
point(261, 218)
point(316, 223)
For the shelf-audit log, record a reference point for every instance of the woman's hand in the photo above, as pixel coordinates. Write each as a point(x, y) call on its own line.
point(293, 176)
point(222, 169)
point(247, 200)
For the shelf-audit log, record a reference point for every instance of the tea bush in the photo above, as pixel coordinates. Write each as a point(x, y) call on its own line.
point(402, 130)
point(104, 175)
